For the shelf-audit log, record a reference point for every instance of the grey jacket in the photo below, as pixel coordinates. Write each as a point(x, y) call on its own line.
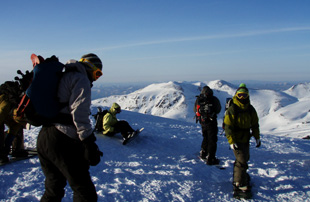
point(75, 89)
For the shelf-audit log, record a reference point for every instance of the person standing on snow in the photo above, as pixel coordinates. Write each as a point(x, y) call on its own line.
point(240, 119)
point(111, 125)
point(67, 150)
point(10, 95)
point(207, 106)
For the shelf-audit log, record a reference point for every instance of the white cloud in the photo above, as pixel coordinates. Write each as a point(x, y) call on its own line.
point(209, 37)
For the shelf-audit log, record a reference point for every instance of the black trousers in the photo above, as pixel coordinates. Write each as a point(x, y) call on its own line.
point(62, 160)
point(209, 142)
point(122, 127)
point(6, 141)
point(242, 155)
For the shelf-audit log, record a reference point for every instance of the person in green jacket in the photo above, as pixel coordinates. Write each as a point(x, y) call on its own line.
point(10, 94)
point(111, 125)
point(241, 123)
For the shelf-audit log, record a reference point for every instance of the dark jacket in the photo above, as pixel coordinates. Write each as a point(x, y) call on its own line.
point(210, 102)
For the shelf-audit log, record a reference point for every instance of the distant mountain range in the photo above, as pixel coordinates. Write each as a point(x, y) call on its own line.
point(277, 110)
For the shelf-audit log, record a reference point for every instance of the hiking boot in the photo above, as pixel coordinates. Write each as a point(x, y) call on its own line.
point(203, 154)
point(239, 187)
point(20, 153)
point(213, 161)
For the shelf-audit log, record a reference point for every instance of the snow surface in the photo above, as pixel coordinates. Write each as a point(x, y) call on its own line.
point(162, 164)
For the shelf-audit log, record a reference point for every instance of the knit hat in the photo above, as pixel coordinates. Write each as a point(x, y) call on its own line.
point(206, 90)
point(242, 89)
point(93, 59)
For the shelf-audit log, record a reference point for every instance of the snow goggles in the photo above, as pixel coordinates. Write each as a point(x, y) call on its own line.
point(96, 71)
point(118, 110)
point(242, 95)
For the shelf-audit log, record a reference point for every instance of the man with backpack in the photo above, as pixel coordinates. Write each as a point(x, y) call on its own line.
point(10, 94)
point(111, 125)
point(67, 149)
point(240, 120)
point(207, 106)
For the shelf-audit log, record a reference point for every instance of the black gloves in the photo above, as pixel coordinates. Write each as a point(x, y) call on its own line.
point(92, 153)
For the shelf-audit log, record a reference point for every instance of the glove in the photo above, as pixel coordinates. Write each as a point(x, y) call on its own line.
point(234, 146)
point(92, 153)
point(258, 143)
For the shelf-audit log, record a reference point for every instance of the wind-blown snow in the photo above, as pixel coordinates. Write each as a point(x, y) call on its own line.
point(162, 164)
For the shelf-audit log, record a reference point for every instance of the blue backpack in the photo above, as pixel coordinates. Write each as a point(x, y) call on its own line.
point(40, 104)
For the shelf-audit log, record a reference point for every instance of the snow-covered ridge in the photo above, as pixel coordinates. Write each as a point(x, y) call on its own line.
point(175, 100)
point(162, 163)
point(300, 91)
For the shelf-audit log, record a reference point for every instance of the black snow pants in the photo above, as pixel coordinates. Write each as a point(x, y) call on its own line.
point(242, 155)
point(122, 127)
point(62, 160)
point(209, 142)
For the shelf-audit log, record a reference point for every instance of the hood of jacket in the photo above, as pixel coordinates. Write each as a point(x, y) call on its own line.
point(113, 108)
point(239, 104)
point(75, 89)
point(74, 65)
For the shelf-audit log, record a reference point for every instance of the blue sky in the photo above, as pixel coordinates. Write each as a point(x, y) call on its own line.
point(162, 40)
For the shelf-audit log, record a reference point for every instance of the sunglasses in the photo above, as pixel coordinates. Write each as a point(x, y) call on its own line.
point(242, 95)
point(96, 71)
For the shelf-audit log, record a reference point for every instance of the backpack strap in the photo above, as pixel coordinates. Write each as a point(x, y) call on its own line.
point(22, 106)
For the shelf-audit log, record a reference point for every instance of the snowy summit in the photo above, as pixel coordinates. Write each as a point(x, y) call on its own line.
point(161, 164)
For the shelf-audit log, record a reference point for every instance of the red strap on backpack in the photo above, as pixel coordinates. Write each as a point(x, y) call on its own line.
point(24, 102)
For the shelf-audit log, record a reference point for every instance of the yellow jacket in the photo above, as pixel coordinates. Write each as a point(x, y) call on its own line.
point(240, 119)
point(6, 116)
point(109, 120)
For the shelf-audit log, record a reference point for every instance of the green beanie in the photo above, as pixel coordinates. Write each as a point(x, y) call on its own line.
point(242, 89)
point(242, 85)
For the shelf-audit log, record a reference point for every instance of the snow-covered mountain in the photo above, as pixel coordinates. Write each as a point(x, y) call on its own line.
point(175, 100)
point(162, 163)
point(301, 91)
point(105, 90)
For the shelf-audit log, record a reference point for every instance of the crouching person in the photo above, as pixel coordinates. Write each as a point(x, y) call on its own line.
point(111, 125)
